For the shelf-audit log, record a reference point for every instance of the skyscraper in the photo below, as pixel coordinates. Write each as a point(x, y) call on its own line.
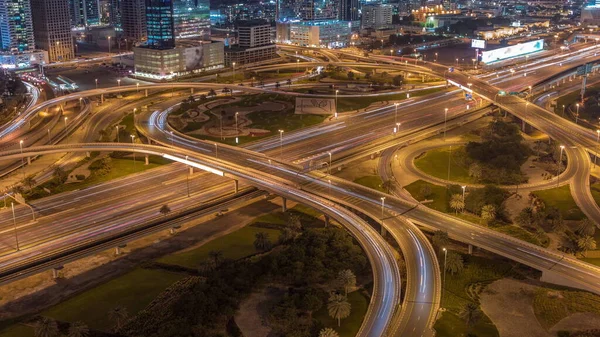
point(348, 10)
point(133, 19)
point(16, 27)
point(84, 13)
point(160, 24)
point(191, 18)
point(308, 9)
point(52, 28)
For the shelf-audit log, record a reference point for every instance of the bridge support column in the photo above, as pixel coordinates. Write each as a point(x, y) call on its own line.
point(87, 154)
point(192, 91)
point(146, 92)
point(326, 220)
point(56, 272)
point(28, 160)
point(236, 186)
point(470, 249)
point(147, 160)
point(101, 98)
point(191, 170)
point(523, 124)
point(283, 204)
point(383, 231)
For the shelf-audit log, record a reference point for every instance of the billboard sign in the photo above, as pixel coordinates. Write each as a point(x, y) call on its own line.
point(194, 58)
point(512, 51)
point(478, 44)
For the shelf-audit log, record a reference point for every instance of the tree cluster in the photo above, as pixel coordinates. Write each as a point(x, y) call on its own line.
point(498, 158)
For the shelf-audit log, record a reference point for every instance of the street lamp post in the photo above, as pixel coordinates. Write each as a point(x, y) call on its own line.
point(562, 147)
point(329, 167)
point(281, 144)
point(233, 64)
point(563, 114)
point(118, 140)
point(463, 188)
point(137, 85)
point(188, 178)
point(119, 82)
point(96, 83)
point(577, 115)
point(236, 127)
point(22, 160)
point(398, 126)
point(109, 44)
point(436, 55)
point(297, 66)
point(382, 206)
point(597, 139)
point(66, 122)
point(132, 142)
point(444, 278)
point(336, 100)
point(216, 150)
point(12, 206)
point(445, 120)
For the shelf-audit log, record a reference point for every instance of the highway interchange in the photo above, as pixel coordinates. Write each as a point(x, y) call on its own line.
point(288, 176)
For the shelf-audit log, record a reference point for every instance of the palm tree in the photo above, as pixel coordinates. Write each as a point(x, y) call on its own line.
point(60, 174)
point(488, 212)
point(165, 210)
point(440, 239)
point(347, 279)
point(387, 185)
point(212, 93)
point(328, 332)
point(586, 243)
point(338, 307)
point(289, 82)
point(294, 223)
point(286, 235)
point(457, 203)
point(586, 228)
point(470, 313)
point(454, 263)
point(78, 329)
point(216, 255)
point(475, 171)
point(29, 181)
point(277, 85)
point(119, 315)
point(45, 327)
point(261, 241)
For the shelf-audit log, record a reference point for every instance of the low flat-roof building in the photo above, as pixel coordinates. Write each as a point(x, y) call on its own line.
point(188, 57)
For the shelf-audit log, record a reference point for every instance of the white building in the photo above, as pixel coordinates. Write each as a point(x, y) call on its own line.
point(376, 16)
point(188, 57)
point(21, 60)
point(322, 33)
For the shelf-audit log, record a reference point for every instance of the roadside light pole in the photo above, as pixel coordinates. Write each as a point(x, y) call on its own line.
point(563, 114)
point(236, 128)
point(96, 83)
point(336, 100)
point(188, 178)
point(398, 126)
point(66, 122)
point(436, 55)
point(233, 64)
point(562, 147)
point(577, 115)
point(329, 167)
point(445, 120)
point(463, 188)
point(281, 144)
point(597, 139)
point(132, 142)
point(12, 206)
point(119, 82)
point(382, 206)
point(116, 126)
point(444, 278)
point(22, 160)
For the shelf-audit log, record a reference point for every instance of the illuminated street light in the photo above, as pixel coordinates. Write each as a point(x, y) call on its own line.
point(22, 159)
point(577, 115)
point(463, 196)
point(281, 144)
point(132, 142)
point(445, 120)
point(119, 82)
point(562, 147)
point(96, 83)
point(382, 206)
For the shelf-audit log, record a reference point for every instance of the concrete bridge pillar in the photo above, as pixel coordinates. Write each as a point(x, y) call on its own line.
point(470, 249)
point(192, 91)
point(87, 154)
point(283, 204)
point(191, 170)
point(147, 160)
point(146, 92)
point(326, 220)
point(56, 272)
point(383, 231)
point(236, 186)
point(101, 98)
point(28, 160)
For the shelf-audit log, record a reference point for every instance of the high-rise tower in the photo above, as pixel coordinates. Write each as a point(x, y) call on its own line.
point(16, 27)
